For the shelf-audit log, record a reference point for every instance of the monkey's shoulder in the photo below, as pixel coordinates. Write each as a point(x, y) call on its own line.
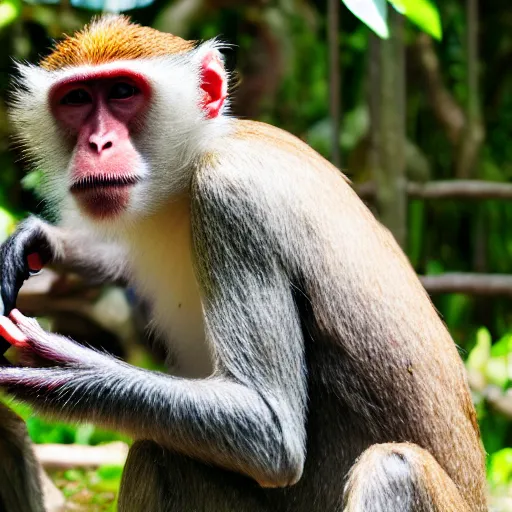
point(244, 129)
point(279, 142)
point(257, 159)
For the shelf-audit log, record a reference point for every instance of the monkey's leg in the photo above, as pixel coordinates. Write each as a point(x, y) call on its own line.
point(20, 487)
point(158, 480)
point(400, 477)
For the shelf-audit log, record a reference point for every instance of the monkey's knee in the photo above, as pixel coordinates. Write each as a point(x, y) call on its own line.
point(400, 477)
point(159, 480)
point(143, 479)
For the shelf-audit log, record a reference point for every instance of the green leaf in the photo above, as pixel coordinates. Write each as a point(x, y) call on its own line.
point(372, 13)
point(73, 475)
point(356, 124)
point(434, 268)
point(497, 371)
point(500, 467)
point(7, 222)
point(9, 11)
point(503, 347)
point(456, 306)
point(84, 433)
point(423, 13)
point(479, 356)
point(110, 472)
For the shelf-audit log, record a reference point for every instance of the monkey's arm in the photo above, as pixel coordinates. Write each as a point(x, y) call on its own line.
point(247, 423)
point(75, 250)
point(249, 417)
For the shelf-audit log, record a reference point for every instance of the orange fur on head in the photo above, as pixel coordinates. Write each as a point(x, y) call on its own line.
point(113, 38)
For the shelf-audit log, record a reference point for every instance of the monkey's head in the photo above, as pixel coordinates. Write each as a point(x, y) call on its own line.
point(115, 116)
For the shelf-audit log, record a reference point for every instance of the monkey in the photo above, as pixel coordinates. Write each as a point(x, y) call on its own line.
point(309, 370)
point(21, 488)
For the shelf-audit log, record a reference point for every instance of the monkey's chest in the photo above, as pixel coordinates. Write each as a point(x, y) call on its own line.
point(164, 275)
point(177, 315)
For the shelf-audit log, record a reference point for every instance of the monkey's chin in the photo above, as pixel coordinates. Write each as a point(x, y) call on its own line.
point(103, 203)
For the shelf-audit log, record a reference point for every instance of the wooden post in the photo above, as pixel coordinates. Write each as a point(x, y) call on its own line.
point(333, 17)
point(390, 174)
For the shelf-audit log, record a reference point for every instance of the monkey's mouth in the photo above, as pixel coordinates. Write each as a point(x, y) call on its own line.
point(103, 196)
point(90, 183)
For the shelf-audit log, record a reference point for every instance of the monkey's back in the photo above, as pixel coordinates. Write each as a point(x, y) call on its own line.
point(382, 367)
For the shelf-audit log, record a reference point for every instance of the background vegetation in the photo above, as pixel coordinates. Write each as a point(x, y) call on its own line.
point(420, 120)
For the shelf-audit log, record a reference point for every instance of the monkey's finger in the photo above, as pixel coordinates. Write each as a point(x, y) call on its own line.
point(14, 271)
point(24, 251)
point(14, 268)
point(11, 333)
point(53, 347)
point(36, 336)
point(9, 288)
point(18, 317)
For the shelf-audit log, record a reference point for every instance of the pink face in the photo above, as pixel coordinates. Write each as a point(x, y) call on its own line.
point(101, 113)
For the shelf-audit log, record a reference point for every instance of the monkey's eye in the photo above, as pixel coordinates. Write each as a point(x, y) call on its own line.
point(76, 97)
point(122, 91)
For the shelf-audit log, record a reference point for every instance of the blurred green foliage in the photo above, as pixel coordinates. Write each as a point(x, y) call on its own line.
point(45, 431)
point(373, 13)
point(92, 489)
point(423, 13)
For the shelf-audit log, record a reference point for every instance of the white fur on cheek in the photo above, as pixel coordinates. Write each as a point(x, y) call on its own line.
point(37, 132)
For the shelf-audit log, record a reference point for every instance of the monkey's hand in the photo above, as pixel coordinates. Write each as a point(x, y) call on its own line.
point(23, 254)
point(64, 361)
point(35, 343)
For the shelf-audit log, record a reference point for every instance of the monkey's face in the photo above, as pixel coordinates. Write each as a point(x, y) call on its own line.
point(100, 115)
point(116, 140)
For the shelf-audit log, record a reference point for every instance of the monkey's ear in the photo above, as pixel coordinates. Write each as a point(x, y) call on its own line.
point(214, 84)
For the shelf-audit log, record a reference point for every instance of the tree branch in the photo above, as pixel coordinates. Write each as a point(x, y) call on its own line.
point(333, 7)
point(456, 189)
point(66, 456)
point(391, 195)
point(473, 284)
point(473, 134)
point(445, 108)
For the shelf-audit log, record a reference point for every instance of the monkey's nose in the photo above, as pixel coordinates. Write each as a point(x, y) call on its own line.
point(99, 144)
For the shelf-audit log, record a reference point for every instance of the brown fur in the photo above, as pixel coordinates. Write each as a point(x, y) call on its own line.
point(403, 353)
point(383, 466)
point(113, 38)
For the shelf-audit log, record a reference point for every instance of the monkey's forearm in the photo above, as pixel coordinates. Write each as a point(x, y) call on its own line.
point(216, 420)
point(82, 252)
point(93, 259)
